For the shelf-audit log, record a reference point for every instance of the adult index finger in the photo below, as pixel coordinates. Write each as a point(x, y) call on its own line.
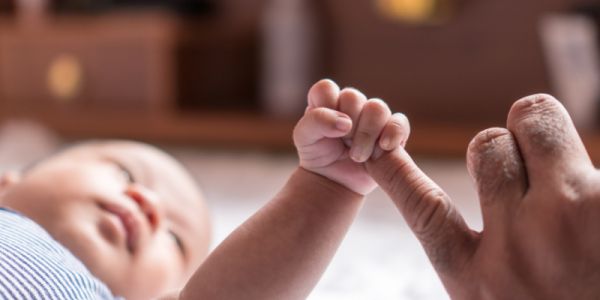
point(428, 210)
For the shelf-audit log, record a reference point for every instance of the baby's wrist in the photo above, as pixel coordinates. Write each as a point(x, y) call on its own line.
point(355, 180)
point(326, 187)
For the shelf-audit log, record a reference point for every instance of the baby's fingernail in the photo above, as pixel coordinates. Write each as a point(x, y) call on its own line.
point(343, 124)
point(385, 143)
point(357, 154)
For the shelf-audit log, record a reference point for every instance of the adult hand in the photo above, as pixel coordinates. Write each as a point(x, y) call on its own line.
point(540, 200)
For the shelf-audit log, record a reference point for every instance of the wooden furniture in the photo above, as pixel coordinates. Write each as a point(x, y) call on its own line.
point(160, 77)
point(118, 62)
point(139, 74)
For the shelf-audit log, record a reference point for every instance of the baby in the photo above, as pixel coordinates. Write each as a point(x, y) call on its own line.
point(123, 219)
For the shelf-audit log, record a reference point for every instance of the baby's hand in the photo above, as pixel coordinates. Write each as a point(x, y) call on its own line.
point(341, 130)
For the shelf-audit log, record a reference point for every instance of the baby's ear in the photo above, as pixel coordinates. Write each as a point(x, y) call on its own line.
point(8, 179)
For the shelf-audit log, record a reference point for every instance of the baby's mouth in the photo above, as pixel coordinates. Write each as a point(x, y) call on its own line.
point(130, 223)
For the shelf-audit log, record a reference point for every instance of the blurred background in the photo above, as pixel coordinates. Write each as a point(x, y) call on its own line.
point(221, 83)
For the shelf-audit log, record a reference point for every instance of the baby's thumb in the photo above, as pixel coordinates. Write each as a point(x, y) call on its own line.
point(427, 209)
point(319, 123)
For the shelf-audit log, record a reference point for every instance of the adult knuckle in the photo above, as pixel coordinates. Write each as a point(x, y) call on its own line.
point(541, 118)
point(574, 189)
point(493, 160)
point(485, 145)
point(486, 137)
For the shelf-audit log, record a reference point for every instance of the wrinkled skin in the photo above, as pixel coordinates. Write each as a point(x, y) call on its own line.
point(540, 200)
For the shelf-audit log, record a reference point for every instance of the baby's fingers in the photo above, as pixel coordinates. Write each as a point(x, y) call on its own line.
point(319, 123)
point(324, 93)
point(395, 133)
point(373, 119)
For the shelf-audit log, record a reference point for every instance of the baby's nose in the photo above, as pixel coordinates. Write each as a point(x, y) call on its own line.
point(148, 202)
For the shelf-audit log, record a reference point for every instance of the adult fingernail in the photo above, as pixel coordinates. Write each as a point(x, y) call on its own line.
point(343, 124)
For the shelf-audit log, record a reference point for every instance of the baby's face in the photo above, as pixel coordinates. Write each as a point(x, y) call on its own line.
point(129, 212)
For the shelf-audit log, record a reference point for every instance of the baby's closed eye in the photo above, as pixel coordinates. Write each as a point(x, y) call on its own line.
point(127, 174)
point(178, 242)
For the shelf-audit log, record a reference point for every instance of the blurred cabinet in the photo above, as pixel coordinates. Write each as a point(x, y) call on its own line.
point(104, 63)
point(139, 73)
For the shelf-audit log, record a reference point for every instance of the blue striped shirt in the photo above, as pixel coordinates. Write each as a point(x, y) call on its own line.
point(35, 266)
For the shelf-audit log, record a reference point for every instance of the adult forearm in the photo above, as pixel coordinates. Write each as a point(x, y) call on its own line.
point(282, 250)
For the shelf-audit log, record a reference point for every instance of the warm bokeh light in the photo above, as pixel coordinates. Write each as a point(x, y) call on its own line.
point(408, 10)
point(65, 77)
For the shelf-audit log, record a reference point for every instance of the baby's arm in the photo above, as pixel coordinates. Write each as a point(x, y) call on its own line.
point(282, 250)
